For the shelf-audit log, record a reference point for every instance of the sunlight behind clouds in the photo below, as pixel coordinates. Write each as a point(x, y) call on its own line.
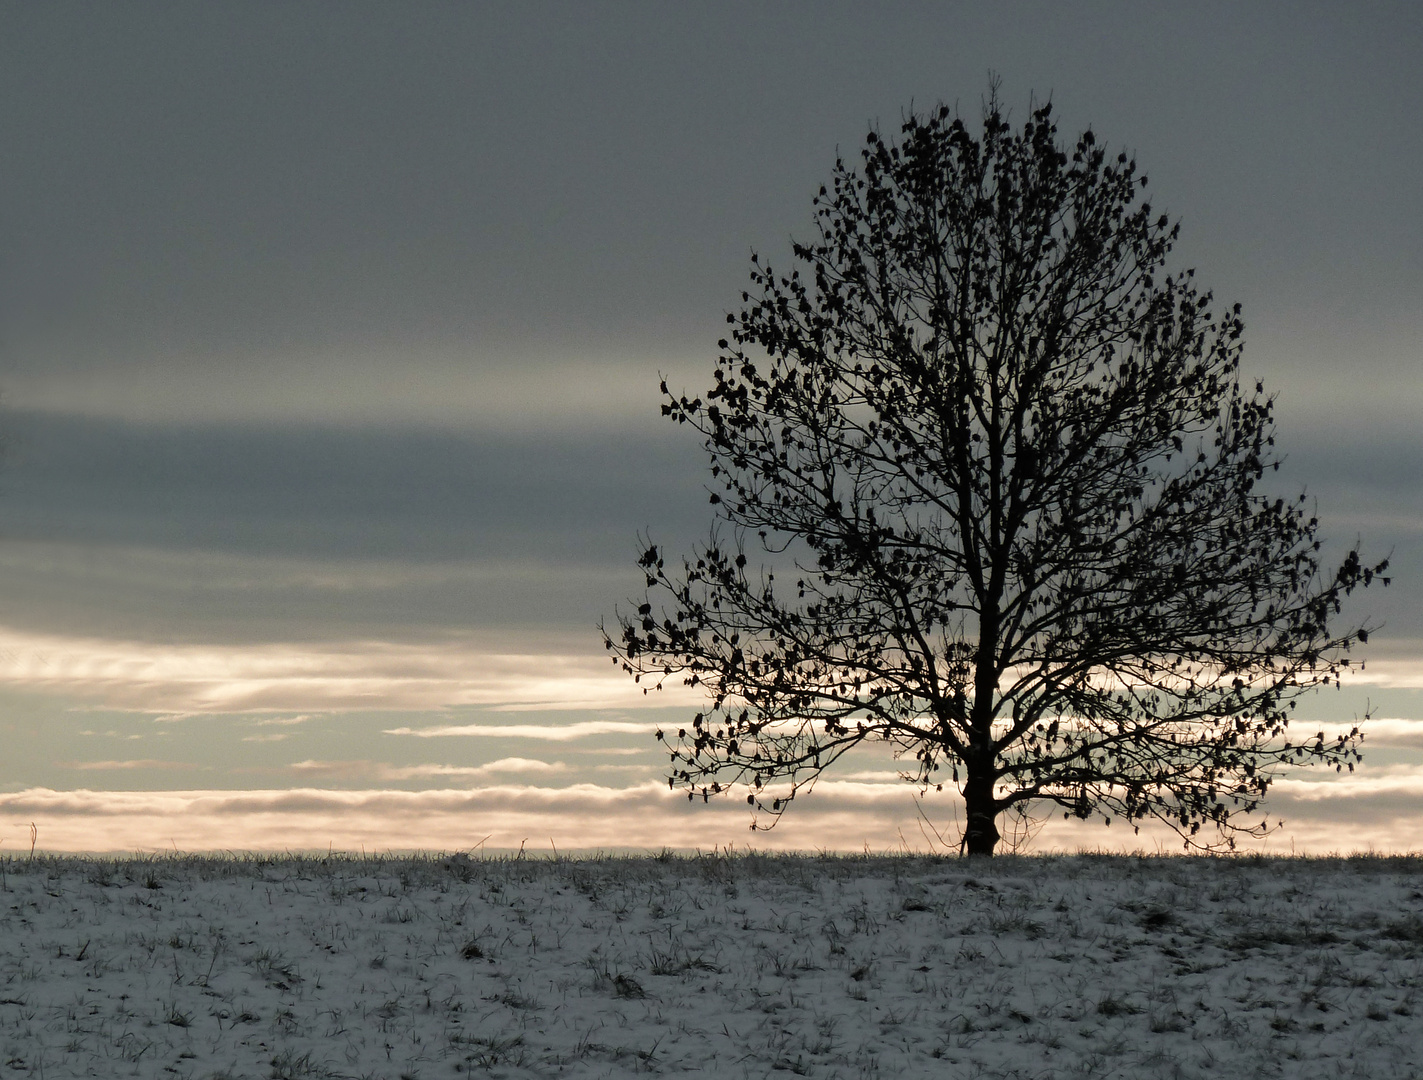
point(187, 680)
point(581, 730)
point(380, 771)
point(450, 389)
point(1397, 673)
point(837, 816)
point(503, 765)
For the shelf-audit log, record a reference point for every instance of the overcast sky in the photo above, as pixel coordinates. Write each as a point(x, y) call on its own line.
point(330, 337)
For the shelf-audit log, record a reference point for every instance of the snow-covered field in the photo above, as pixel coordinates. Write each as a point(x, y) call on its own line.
point(1089, 966)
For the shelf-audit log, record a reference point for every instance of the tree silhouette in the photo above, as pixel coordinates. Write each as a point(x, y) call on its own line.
point(1007, 485)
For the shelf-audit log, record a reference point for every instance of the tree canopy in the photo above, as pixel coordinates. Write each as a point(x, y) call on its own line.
point(1005, 477)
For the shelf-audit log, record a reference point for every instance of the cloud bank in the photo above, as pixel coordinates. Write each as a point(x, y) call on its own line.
point(1352, 814)
point(322, 676)
point(581, 730)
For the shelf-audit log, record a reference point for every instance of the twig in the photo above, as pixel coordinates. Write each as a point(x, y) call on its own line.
point(924, 820)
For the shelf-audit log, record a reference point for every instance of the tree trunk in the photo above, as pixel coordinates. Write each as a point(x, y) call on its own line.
point(981, 832)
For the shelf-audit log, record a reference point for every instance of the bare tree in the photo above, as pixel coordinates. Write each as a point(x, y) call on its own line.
point(1004, 463)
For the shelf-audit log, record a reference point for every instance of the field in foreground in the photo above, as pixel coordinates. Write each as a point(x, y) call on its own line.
point(1085, 966)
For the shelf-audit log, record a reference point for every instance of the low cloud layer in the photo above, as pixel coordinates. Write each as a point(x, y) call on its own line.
point(322, 676)
point(380, 771)
point(1355, 814)
point(414, 676)
point(581, 730)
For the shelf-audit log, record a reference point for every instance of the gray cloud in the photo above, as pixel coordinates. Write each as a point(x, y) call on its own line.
point(365, 193)
point(243, 531)
point(252, 532)
point(345, 492)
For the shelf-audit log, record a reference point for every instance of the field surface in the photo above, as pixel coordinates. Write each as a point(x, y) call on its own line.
point(1085, 966)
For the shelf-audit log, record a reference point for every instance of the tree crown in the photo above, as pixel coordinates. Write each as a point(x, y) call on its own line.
point(1008, 463)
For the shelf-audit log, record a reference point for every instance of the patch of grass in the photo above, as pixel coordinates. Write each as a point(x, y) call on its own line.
point(1015, 922)
point(519, 1001)
point(1164, 1021)
point(1114, 1006)
point(491, 1051)
point(275, 970)
point(1158, 918)
point(1409, 929)
point(289, 1065)
point(1268, 933)
point(673, 960)
point(618, 983)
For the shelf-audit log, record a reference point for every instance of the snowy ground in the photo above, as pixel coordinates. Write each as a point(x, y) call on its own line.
point(1087, 966)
